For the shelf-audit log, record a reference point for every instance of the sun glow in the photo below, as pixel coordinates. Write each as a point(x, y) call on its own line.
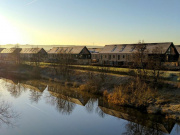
point(9, 34)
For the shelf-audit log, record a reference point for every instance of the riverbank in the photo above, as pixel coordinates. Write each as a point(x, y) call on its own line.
point(166, 101)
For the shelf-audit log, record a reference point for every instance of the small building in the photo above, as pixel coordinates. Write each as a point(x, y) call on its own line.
point(123, 54)
point(79, 54)
point(178, 49)
point(2, 49)
point(10, 55)
point(33, 54)
point(95, 55)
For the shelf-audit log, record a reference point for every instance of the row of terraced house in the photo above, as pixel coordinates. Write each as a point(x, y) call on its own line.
point(111, 55)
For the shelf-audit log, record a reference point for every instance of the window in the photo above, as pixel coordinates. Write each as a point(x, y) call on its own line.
point(113, 56)
point(114, 48)
point(123, 56)
point(118, 57)
point(122, 48)
point(104, 56)
point(109, 57)
point(168, 51)
point(132, 48)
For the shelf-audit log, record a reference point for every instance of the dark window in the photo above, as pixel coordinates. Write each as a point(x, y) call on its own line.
point(169, 51)
point(113, 56)
point(105, 56)
point(118, 57)
point(109, 56)
point(114, 48)
point(123, 56)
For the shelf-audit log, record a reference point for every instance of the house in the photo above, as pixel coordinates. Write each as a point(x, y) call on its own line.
point(10, 55)
point(178, 50)
point(1, 49)
point(123, 54)
point(79, 54)
point(95, 55)
point(33, 54)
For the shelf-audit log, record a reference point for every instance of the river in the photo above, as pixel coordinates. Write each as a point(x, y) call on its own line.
point(41, 107)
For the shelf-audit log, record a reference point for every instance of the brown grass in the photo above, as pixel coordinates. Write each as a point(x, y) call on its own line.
point(136, 94)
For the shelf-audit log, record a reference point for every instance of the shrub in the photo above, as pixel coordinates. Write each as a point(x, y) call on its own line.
point(75, 84)
point(68, 84)
point(88, 87)
point(136, 93)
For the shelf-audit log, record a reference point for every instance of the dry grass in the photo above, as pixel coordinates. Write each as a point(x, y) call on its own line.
point(136, 94)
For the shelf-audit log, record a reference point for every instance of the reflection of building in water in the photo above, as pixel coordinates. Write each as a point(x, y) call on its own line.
point(9, 81)
point(70, 99)
point(31, 87)
point(14, 88)
point(34, 85)
point(36, 89)
point(67, 94)
point(148, 120)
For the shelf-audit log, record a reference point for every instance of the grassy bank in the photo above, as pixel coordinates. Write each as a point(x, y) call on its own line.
point(116, 84)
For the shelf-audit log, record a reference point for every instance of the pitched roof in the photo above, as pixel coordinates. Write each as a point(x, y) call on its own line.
point(10, 50)
point(69, 50)
point(95, 50)
point(132, 48)
point(1, 49)
point(178, 48)
point(30, 50)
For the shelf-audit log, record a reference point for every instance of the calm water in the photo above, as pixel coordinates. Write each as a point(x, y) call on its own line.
point(37, 107)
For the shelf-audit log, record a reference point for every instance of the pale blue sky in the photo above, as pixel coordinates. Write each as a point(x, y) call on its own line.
point(87, 22)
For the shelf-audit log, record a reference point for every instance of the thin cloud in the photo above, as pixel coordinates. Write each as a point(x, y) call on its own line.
point(31, 2)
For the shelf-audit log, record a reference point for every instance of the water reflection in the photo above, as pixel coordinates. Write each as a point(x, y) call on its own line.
point(90, 105)
point(35, 88)
point(14, 88)
point(8, 116)
point(139, 123)
point(137, 129)
point(177, 127)
point(65, 101)
point(62, 103)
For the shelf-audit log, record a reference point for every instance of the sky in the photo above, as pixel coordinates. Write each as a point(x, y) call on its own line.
point(89, 22)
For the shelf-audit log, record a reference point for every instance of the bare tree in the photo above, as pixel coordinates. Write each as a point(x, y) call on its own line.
point(155, 64)
point(7, 114)
point(140, 60)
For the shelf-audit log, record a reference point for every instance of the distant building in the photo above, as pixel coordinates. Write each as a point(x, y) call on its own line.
point(95, 55)
point(121, 54)
point(178, 49)
point(10, 55)
point(76, 53)
point(1, 49)
point(33, 54)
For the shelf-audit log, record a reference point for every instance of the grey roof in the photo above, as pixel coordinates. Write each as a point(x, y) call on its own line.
point(178, 48)
point(132, 48)
point(1, 49)
point(95, 50)
point(30, 50)
point(10, 50)
point(66, 50)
